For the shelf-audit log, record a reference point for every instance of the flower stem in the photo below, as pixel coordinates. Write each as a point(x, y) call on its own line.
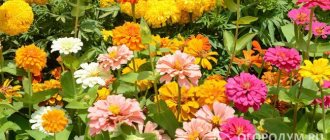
point(30, 92)
point(235, 39)
point(309, 34)
point(55, 136)
point(76, 23)
point(133, 11)
point(154, 74)
point(2, 61)
point(296, 110)
point(313, 117)
point(135, 70)
point(323, 113)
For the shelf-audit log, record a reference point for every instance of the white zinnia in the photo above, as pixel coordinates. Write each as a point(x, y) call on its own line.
point(37, 120)
point(67, 45)
point(90, 75)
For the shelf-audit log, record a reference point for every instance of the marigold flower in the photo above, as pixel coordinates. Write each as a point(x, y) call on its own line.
point(320, 29)
point(106, 3)
point(116, 56)
point(39, 2)
point(323, 4)
point(217, 115)
point(169, 93)
point(106, 34)
point(103, 93)
point(130, 1)
point(129, 35)
point(246, 90)
point(237, 128)
point(106, 114)
point(10, 91)
point(150, 127)
point(283, 58)
point(140, 8)
point(67, 45)
point(181, 66)
point(211, 91)
point(319, 70)
point(50, 120)
point(16, 17)
point(197, 129)
point(31, 58)
point(300, 16)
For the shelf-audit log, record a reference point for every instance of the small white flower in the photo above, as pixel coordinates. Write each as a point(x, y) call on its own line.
point(44, 116)
point(67, 45)
point(90, 75)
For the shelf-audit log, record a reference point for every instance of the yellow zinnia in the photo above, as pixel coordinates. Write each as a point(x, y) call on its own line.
point(31, 58)
point(189, 105)
point(103, 93)
point(211, 91)
point(106, 34)
point(319, 70)
point(10, 91)
point(16, 17)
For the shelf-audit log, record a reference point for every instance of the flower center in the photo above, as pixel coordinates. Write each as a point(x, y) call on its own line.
point(114, 109)
point(112, 54)
point(302, 17)
point(193, 136)
point(94, 74)
point(247, 85)
point(239, 130)
point(319, 31)
point(177, 65)
point(67, 45)
point(54, 121)
point(281, 54)
point(216, 120)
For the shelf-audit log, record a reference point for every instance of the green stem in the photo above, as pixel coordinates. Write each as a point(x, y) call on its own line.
point(235, 39)
point(323, 113)
point(313, 117)
point(309, 34)
point(154, 82)
point(55, 136)
point(73, 83)
point(262, 67)
point(133, 12)
point(179, 103)
point(30, 90)
point(76, 24)
point(296, 109)
point(2, 61)
point(135, 70)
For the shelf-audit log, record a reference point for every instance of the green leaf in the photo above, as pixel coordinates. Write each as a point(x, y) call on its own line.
point(246, 20)
point(327, 124)
point(38, 96)
point(228, 41)
point(37, 134)
point(129, 77)
point(9, 125)
point(232, 6)
point(89, 55)
point(10, 67)
point(64, 135)
point(276, 126)
point(288, 32)
point(244, 40)
point(303, 124)
point(318, 49)
point(146, 75)
point(71, 62)
point(266, 111)
point(68, 85)
point(163, 117)
point(73, 104)
point(145, 32)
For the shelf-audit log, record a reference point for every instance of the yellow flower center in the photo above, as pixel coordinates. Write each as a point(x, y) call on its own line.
point(177, 65)
point(54, 121)
point(193, 136)
point(216, 120)
point(94, 74)
point(246, 85)
point(67, 45)
point(239, 130)
point(112, 54)
point(301, 17)
point(114, 109)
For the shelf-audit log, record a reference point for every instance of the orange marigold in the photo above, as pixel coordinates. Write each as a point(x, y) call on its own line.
point(31, 58)
point(128, 34)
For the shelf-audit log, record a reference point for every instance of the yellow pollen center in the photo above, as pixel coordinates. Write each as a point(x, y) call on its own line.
point(193, 136)
point(246, 85)
point(302, 16)
point(319, 30)
point(94, 73)
point(177, 65)
point(216, 120)
point(54, 121)
point(115, 109)
point(113, 54)
point(239, 130)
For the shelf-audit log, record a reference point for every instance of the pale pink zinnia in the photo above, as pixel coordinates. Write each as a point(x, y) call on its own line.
point(218, 115)
point(300, 16)
point(246, 90)
point(106, 114)
point(116, 56)
point(237, 129)
point(197, 129)
point(320, 29)
point(151, 127)
point(323, 4)
point(180, 66)
point(283, 58)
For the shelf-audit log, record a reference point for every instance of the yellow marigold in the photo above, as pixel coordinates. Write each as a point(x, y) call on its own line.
point(16, 17)
point(10, 91)
point(200, 47)
point(161, 12)
point(128, 34)
point(185, 17)
point(319, 70)
point(216, 77)
point(31, 58)
point(189, 105)
point(140, 8)
point(39, 2)
point(211, 91)
point(106, 3)
point(208, 5)
point(190, 6)
point(106, 34)
point(103, 93)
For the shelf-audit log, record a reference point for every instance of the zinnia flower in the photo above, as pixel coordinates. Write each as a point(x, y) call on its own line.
point(106, 34)
point(31, 58)
point(218, 115)
point(283, 58)
point(197, 129)
point(50, 120)
point(246, 91)
point(150, 127)
point(116, 56)
point(211, 91)
point(200, 48)
point(237, 129)
point(319, 70)
point(323, 4)
point(106, 114)
point(10, 91)
point(326, 84)
point(67, 45)
point(16, 17)
point(300, 16)
point(169, 93)
point(249, 59)
point(91, 74)
point(103, 93)
point(128, 34)
point(181, 66)
point(320, 29)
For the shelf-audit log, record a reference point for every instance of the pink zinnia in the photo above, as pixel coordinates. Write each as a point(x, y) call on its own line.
point(221, 112)
point(326, 84)
point(197, 129)
point(320, 29)
point(283, 58)
point(150, 127)
point(106, 114)
point(237, 129)
point(116, 56)
point(300, 16)
point(246, 91)
point(180, 66)
point(323, 4)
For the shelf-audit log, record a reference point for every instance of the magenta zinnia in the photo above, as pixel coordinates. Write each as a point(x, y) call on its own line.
point(246, 90)
point(237, 129)
point(283, 58)
point(300, 16)
point(320, 29)
point(323, 4)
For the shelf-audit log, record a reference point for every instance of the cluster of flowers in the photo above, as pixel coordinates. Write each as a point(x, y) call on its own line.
point(304, 15)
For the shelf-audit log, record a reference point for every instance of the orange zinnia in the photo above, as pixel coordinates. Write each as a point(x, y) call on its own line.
point(128, 34)
point(249, 59)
